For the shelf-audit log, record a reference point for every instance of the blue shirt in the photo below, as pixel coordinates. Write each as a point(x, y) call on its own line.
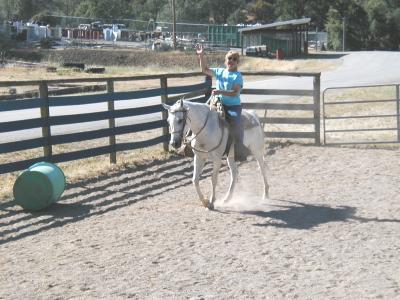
point(226, 80)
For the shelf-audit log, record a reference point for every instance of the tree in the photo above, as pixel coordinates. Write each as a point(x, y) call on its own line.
point(333, 27)
point(6, 43)
point(102, 9)
point(262, 11)
point(7, 9)
point(317, 10)
point(394, 25)
point(66, 7)
point(355, 19)
point(290, 9)
point(24, 9)
point(237, 17)
point(220, 10)
point(192, 10)
point(383, 24)
point(148, 9)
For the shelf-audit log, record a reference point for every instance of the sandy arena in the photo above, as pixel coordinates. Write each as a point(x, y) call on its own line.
point(331, 230)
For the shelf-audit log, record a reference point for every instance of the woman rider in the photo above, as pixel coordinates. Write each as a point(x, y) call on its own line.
point(228, 86)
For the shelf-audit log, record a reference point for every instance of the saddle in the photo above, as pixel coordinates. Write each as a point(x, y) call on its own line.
point(247, 121)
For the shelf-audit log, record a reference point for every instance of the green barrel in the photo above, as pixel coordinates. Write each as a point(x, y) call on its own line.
point(39, 186)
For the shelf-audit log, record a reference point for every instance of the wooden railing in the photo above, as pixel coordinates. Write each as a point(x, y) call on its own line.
point(197, 92)
point(312, 105)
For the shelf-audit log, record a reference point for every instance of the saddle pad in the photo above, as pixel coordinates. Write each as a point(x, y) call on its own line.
point(248, 120)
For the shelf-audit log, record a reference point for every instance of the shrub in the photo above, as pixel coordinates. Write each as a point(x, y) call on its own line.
point(46, 43)
point(6, 43)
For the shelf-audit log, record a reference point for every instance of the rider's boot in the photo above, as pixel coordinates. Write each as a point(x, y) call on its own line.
point(240, 152)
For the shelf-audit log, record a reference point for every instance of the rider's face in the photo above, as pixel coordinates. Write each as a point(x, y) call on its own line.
point(231, 62)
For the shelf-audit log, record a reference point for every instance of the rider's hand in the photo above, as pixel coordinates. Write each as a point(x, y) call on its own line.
point(216, 92)
point(199, 50)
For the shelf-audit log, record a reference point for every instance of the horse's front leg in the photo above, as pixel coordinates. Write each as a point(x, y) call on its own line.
point(214, 181)
point(198, 168)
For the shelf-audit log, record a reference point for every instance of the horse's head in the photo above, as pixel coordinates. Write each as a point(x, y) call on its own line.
point(177, 115)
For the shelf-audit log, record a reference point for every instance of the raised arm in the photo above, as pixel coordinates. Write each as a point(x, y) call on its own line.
point(203, 65)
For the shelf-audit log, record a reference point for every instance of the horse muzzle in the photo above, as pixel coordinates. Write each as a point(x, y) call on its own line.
point(175, 143)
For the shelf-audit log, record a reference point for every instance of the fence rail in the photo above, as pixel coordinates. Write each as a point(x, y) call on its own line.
point(197, 92)
point(302, 132)
point(386, 115)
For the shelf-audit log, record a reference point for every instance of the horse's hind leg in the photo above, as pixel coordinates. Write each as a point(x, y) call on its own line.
point(261, 163)
point(198, 168)
point(234, 173)
point(255, 140)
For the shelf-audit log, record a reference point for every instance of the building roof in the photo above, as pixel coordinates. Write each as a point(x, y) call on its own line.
point(290, 23)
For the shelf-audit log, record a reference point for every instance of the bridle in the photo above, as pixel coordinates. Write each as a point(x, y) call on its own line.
point(186, 141)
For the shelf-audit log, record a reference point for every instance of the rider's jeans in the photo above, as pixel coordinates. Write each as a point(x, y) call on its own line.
point(232, 114)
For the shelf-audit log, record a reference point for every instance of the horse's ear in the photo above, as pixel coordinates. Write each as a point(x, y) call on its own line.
point(166, 106)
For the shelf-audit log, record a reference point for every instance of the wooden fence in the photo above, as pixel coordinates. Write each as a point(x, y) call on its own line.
point(312, 106)
point(197, 92)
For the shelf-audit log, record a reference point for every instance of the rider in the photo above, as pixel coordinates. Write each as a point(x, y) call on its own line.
point(228, 86)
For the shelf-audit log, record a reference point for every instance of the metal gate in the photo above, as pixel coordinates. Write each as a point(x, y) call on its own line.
point(361, 115)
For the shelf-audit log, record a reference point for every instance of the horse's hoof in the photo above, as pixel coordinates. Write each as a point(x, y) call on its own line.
point(266, 197)
point(204, 202)
point(210, 206)
point(226, 199)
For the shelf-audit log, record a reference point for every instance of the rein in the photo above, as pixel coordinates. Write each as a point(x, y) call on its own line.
point(187, 142)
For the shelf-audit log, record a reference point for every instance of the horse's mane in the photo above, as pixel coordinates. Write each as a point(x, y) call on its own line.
point(190, 104)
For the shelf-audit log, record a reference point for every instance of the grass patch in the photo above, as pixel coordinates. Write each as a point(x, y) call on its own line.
point(91, 167)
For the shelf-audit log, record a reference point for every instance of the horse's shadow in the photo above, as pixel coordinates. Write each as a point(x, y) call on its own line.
point(302, 216)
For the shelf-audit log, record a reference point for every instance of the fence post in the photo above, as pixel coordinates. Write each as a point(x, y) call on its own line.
point(398, 111)
point(111, 121)
point(45, 114)
point(317, 108)
point(164, 99)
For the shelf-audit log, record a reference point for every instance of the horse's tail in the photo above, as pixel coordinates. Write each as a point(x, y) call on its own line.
point(257, 123)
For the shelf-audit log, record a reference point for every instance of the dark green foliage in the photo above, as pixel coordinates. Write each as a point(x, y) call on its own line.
point(45, 19)
point(46, 43)
point(262, 11)
point(6, 43)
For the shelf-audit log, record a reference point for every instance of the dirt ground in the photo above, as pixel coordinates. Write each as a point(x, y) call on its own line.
point(331, 230)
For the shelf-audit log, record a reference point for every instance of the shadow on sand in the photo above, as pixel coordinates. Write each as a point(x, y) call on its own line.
point(97, 196)
point(302, 216)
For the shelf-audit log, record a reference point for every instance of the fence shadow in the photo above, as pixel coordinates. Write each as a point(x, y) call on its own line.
point(97, 196)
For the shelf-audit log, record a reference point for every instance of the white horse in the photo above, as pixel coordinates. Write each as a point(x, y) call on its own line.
point(208, 141)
